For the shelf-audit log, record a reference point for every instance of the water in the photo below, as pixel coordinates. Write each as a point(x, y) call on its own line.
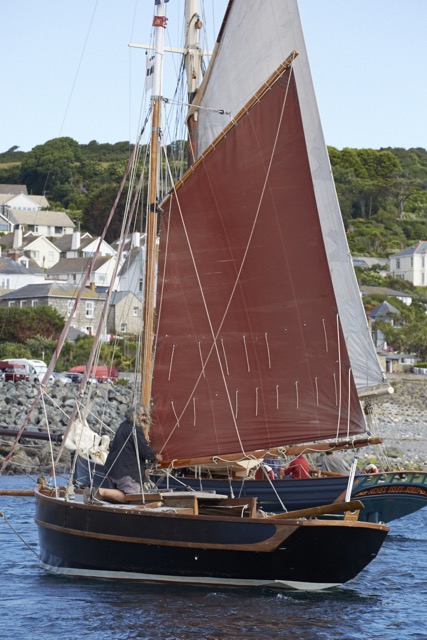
point(386, 602)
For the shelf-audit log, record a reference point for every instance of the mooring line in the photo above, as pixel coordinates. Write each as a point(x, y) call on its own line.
point(19, 535)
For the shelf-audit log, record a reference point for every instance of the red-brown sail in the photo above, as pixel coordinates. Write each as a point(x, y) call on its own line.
point(250, 352)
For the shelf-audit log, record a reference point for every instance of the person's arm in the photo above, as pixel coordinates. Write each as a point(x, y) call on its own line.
point(144, 449)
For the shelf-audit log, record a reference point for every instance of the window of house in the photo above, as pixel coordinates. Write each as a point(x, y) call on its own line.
point(34, 303)
point(89, 331)
point(141, 284)
point(59, 230)
point(135, 312)
point(36, 255)
point(5, 283)
point(11, 303)
point(70, 307)
point(123, 327)
point(398, 264)
point(412, 262)
point(23, 303)
point(50, 256)
point(89, 308)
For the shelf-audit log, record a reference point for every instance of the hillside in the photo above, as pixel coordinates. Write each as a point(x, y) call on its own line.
point(382, 193)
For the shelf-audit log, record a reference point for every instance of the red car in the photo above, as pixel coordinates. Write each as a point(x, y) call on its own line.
point(13, 372)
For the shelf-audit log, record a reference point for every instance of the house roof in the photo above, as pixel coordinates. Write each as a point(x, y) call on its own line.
point(64, 242)
point(384, 309)
point(419, 248)
point(40, 201)
point(135, 254)
point(50, 218)
point(10, 266)
point(118, 296)
point(384, 291)
point(50, 290)
point(14, 189)
point(6, 240)
point(127, 241)
point(66, 266)
point(367, 261)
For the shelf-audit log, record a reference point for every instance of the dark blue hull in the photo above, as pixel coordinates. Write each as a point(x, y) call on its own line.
point(103, 541)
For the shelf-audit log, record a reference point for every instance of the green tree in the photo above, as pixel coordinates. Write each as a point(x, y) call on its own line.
point(20, 324)
point(51, 167)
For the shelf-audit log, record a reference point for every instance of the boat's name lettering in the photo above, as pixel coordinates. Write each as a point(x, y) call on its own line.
point(379, 490)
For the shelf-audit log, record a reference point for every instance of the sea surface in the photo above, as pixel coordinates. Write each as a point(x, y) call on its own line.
point(388, 601)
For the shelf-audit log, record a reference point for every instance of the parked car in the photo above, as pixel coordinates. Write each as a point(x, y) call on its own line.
point(13, 372)
point(78, 377)
point(60, 377)
point(73, 377)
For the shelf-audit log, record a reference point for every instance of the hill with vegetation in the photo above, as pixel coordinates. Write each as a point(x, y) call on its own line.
point(382, 194)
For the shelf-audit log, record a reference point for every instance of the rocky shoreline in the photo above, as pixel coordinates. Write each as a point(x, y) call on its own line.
point(108, 404)
point(400, 419)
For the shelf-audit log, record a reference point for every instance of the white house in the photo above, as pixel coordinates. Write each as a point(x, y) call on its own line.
point(38, 248)
point(77, 245)
point(16, 274)
point(386, 292)
point(72, 270)
point(384, 311)
point(131, 274)
point(43, 223)
point(411, 264)
point(21, 201)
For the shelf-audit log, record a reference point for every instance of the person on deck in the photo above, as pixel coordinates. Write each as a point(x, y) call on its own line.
point(298, 468)
point(371, 468)
point(329, 461)
point(126, 461)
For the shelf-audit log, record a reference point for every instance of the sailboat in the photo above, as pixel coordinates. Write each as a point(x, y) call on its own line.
point(219, 101)
point(244, 353)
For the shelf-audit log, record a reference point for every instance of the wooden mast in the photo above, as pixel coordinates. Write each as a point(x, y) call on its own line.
point(192, 65)
point(159, 24)
point(193, 59)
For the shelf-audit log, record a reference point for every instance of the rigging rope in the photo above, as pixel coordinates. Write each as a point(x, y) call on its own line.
point(19, 535)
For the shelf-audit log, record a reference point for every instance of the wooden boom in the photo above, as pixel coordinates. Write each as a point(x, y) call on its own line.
point(275, 451)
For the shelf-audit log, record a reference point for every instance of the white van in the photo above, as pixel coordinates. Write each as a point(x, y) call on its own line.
point(34, 368)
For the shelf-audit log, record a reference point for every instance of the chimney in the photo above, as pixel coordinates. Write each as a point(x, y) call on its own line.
point(17, 237)
point(75, 241)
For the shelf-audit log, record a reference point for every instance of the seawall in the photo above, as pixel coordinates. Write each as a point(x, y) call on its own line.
point(400, 419)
